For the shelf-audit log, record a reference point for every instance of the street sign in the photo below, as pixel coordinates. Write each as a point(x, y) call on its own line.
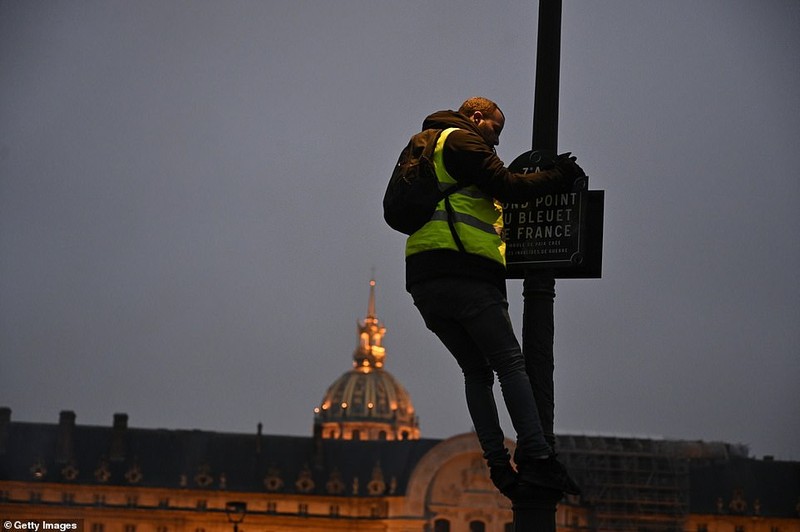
point(559, 232)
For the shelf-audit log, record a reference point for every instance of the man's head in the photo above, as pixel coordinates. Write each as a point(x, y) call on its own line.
point(488, 118)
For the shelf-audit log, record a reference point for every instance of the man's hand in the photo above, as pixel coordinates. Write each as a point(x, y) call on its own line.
point(568, 167)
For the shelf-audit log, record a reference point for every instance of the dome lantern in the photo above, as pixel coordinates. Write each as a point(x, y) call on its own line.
point(369, 353)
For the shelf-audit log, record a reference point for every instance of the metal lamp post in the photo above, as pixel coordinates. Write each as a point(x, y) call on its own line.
point(235, 510)
point(536, 511)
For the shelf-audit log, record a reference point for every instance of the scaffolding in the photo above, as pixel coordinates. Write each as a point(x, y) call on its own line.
point(629, 484)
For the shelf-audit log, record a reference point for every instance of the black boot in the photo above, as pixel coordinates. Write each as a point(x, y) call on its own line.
point(504, 477)
point(547, 473)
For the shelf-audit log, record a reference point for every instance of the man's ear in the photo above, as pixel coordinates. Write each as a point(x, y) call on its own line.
point(477, 116)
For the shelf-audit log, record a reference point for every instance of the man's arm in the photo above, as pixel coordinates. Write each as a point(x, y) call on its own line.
point(470, 160)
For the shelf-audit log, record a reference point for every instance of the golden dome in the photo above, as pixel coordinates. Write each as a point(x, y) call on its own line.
point(367, 402)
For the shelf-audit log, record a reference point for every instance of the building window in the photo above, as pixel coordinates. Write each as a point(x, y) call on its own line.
point(302, 509)
point(98, 527)
point(702, 527)
point(477, 526)
point(441, 525)
point(133, 500)
point(201, 505)
point(334, 510)
point(382, 435)
point(356, 434)
point(161, 529)
point(163, 503)
point(272, 507)
point(68, 498)
point(99, 500)
point(130, 528)
point(739, 528)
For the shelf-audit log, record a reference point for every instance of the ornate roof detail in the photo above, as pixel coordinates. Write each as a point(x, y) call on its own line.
point(102, 473)
point(70, 471)
point(134, 474)
point(38, 469)
point(273, 480)
point(305, 481)
point(335, 484)
point(367, 402)
point(203, 476)
point(376, 486)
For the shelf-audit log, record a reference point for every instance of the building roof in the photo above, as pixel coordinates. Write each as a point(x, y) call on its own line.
point(193, 459)
point(746, 487)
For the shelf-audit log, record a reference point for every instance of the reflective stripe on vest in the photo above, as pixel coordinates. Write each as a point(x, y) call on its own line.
point(478, 218)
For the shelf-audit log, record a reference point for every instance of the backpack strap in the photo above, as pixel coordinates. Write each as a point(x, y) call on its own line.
point(450, 217)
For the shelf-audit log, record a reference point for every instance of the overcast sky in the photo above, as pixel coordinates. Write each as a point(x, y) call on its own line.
point(190, 207)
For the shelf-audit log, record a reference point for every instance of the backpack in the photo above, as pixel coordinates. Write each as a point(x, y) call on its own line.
point(413, 191)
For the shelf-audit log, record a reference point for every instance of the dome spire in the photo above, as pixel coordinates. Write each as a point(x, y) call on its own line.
point(369, 353)
point(371, 305)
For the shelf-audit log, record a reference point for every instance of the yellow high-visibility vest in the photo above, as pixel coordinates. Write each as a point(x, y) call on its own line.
point(478, 218)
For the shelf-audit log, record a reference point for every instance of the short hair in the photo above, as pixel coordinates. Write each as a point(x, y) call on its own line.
point(478, 103)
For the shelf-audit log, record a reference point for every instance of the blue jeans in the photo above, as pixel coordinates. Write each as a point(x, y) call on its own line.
point(471, 319)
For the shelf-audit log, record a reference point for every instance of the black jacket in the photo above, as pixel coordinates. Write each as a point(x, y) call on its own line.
point(469, 159)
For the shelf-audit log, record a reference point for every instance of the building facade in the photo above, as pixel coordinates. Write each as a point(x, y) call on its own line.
point(366, 467)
